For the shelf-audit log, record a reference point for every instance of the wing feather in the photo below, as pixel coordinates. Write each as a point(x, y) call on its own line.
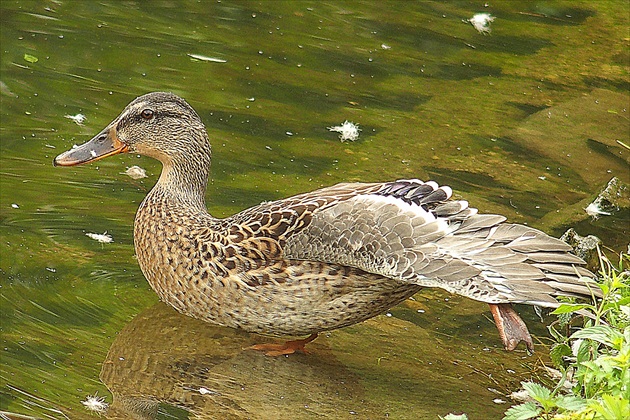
point(413, 231)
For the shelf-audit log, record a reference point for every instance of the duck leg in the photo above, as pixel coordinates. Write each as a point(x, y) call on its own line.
point(512, 329)
point(288, 347)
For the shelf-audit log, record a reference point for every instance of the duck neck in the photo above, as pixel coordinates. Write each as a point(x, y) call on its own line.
point(184, 179)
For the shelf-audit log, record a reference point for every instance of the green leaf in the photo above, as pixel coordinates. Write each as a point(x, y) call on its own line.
point(612, 407)
point(540, 394)
point(623, 301)
point(571, 403)
point(536, 391)
point(600, 333)
point(525, 411)
point(604, 287)
point(31, 58)
point(566, 308)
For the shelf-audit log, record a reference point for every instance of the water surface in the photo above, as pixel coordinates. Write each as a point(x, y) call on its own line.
point(523, 121)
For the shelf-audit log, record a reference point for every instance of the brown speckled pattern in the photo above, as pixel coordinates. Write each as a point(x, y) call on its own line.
point(234, 275)
point(324, 259)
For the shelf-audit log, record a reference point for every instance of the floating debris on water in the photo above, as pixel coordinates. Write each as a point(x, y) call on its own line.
point(521, 396)
point(15, 206)
point(205, 58)
point(135, 172)
point(349, 131)
point(102, 238)
point(95, 404)
point(30, 58)
point(594, 210)
point(79, 119)
point(481, 22)
point(204, 391)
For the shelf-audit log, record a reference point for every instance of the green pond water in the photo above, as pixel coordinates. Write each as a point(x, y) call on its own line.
point(524, 121)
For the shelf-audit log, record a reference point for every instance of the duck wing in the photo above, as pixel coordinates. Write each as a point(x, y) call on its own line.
point(413, 231)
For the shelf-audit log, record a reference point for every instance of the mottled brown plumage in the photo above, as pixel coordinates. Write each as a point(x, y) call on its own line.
point(324, 259)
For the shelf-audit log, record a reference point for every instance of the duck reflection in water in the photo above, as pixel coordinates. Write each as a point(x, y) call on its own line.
point(167, 361)
point(162, 357)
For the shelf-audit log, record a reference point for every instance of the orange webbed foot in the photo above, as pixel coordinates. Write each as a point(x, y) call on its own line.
point(288, 347)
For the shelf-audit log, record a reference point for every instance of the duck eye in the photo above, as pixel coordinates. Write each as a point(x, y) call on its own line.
point(147, 114)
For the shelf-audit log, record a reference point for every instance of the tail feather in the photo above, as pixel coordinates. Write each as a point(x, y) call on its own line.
point(571, 270)
point(518, 271)
point(554, 257)
point(537, 243)
point(564, 288)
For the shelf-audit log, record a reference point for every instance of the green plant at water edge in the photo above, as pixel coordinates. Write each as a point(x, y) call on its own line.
point(595, 359)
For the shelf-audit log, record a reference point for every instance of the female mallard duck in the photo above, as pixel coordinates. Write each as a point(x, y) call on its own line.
point(324, 259)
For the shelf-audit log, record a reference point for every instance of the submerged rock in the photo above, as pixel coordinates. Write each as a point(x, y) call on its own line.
point(584, 247)
point(580, 136)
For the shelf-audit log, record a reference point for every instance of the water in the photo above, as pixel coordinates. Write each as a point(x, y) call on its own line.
point(522, 122)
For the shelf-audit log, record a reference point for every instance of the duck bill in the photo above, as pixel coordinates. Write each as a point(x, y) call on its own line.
point(106, 143)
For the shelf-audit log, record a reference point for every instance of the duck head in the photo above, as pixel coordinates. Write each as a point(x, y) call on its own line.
point(159, 125)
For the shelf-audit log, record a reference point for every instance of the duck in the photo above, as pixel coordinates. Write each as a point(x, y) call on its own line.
point(324, 259)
